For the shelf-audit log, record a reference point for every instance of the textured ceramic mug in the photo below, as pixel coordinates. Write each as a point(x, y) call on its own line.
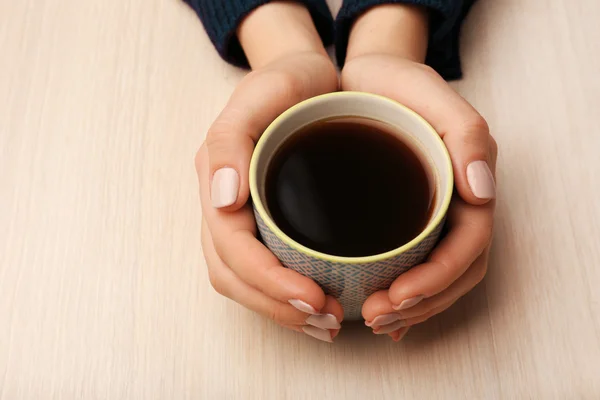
point(352, 279)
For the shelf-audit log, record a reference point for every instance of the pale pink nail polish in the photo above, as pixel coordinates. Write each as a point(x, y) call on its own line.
point(384, 319)
point(481, 180)
point(394, 326)
point(302, 306)
point(408, 303)
point(225, 187)
point(317, 333)
point(323, 321)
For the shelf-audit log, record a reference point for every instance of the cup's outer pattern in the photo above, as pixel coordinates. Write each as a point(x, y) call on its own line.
point(351, 284)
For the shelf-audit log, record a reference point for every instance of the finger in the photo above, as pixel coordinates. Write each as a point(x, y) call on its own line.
point(252, 262)
point(463, 129)
point(334, 309)
point(407, 323)
point(422, 318)
point(320, 334)
point(297, 328)
point(233, 235)
point(257, 101)
point(326, 325)
point(471, 278)
point(226, 283)
point(381, 315)
point(470, 233)
point(468, 147)
point(399, 334)
point(378, 305)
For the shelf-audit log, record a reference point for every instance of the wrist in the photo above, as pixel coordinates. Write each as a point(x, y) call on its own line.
point(400, 30)
point(277, 30)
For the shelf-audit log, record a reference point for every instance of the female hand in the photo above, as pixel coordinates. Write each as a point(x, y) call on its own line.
point(459, 262)
point(240, 267)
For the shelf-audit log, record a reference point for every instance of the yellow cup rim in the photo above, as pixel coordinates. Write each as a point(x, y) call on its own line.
point(260, 208)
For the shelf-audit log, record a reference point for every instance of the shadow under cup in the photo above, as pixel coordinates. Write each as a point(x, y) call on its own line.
point(352, 279)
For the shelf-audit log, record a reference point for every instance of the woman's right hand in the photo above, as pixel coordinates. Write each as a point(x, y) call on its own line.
point(239, 265)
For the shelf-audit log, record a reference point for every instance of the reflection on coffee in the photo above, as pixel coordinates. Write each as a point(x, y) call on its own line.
point(349, 187)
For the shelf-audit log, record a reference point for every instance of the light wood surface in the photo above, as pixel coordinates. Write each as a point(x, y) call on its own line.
point(103, 287)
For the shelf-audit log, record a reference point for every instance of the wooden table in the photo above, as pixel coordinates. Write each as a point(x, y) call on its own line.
point(103, 288)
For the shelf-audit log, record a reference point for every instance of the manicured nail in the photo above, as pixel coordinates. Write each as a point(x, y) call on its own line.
point(317, 333)
point(384, 319)
point(225, 187)
point(481, 180)
point(394, 326)
point(302, 306)
point(323, 321)
point(408, 303)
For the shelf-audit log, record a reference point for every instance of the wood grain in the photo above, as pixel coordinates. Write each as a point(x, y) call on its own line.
point(103, 288)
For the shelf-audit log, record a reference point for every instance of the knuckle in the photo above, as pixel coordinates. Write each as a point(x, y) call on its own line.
point(479, 272)
point(220, 136)
point(227, 126)
point(217, 283)
point(476, 127)
point(276, 314)
point(220, 248)
point(450, 267)
point(493, 146)
point(485, 232)
point(274, 274)
point(473, 133)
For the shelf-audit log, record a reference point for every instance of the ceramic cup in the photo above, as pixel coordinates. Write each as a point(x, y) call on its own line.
point(352, 279)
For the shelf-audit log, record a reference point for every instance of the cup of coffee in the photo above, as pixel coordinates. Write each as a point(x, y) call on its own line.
point(350, 189)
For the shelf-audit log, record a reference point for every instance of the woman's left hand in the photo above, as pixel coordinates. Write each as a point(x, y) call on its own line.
point(459, 262)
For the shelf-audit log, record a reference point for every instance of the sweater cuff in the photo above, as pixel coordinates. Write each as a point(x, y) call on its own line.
point(446, 17)
point(222, 17)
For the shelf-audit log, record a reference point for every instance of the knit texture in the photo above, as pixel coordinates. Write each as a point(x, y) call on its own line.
point(222, 17)
point(446, 17)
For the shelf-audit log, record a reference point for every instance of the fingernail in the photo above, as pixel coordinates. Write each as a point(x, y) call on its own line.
point(481, 180)
point(317, 333)
point(384, 319)
point(323, 321)
point(302, 306)
point(394, 326)
point(225, 187)
point(408, 303)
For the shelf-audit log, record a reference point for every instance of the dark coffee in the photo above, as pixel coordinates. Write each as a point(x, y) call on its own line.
point(349, 187)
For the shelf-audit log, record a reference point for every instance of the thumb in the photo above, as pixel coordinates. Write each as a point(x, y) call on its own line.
point(470, 146)
point(260, 98)
point(229, 151)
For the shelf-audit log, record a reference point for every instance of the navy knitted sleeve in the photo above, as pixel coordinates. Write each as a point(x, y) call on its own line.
point(221, 18)
point(446, 17)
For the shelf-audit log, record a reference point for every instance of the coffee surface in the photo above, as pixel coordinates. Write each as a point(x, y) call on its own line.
point(349, 187)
